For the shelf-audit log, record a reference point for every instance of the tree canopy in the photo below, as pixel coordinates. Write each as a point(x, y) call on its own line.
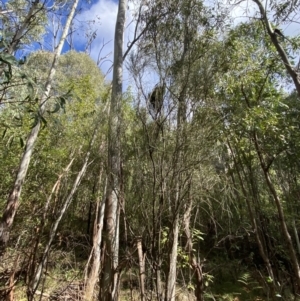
point(182, 186)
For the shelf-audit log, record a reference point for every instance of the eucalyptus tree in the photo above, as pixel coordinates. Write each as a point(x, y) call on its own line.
point(256, 135)
point(172, 51)
point(14, 196)
point(22, 23)
point(281, 12)
point(65, 137)
point(110, 276)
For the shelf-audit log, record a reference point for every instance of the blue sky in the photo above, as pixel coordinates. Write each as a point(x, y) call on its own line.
point(96, 16)
point(104, 13)
point(248, 9)
point(99, 16)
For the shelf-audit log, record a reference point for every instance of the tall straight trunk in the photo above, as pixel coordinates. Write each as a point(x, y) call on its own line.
point(284, 229)
point(95, 256)
point(177, 201)
point(14, 197)
point(54, 227)
point(157, 210)
point(172, 273)
point(178, 166)
point(109, 278)
point(158, 281)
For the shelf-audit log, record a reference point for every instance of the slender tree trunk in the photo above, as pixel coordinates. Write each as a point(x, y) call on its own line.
point(296, 236)
point(24, 27)
point(182, 77)
point(141, 257)
point(282, 54)
point(178, 166)
point(177, 202)
point(95, 256)
point(14, 197)
point(110, 278)
point(157, 211)
point(285, 232)
point(53, 230)
point(170, 289)
point(157, 260)
point(95, 191)
point(194, 263)
point(93, 268)
point(12, 281)
point(40, 229)
point(159, 286)
point(171, 281)
point(263, 253)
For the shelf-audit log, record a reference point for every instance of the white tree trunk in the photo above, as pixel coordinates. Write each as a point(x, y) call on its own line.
point(13, 199)
point(95, 256)
point(141, 257)
point(109, 279)
point(171, 282)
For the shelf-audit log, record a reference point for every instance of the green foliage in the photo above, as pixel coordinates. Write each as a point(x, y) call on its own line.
point(34, 28)
point(72, 109)
point(232, 88)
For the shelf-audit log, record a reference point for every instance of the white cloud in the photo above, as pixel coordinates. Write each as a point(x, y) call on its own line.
point(243, 11)
point(246, 10)
point(101, 18)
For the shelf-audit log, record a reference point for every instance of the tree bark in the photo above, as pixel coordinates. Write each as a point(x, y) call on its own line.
point(171, 281)
point(141, 268)
point(178, 167)
point(53, 230)
point(296, 236)
point(194, 263)
point(14, 197)
point(263, 253)
point(110, 278)
point(95, 256)
point(40, 229)
point(285, 232)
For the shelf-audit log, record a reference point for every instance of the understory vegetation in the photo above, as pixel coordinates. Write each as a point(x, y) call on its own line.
point(183, 185)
